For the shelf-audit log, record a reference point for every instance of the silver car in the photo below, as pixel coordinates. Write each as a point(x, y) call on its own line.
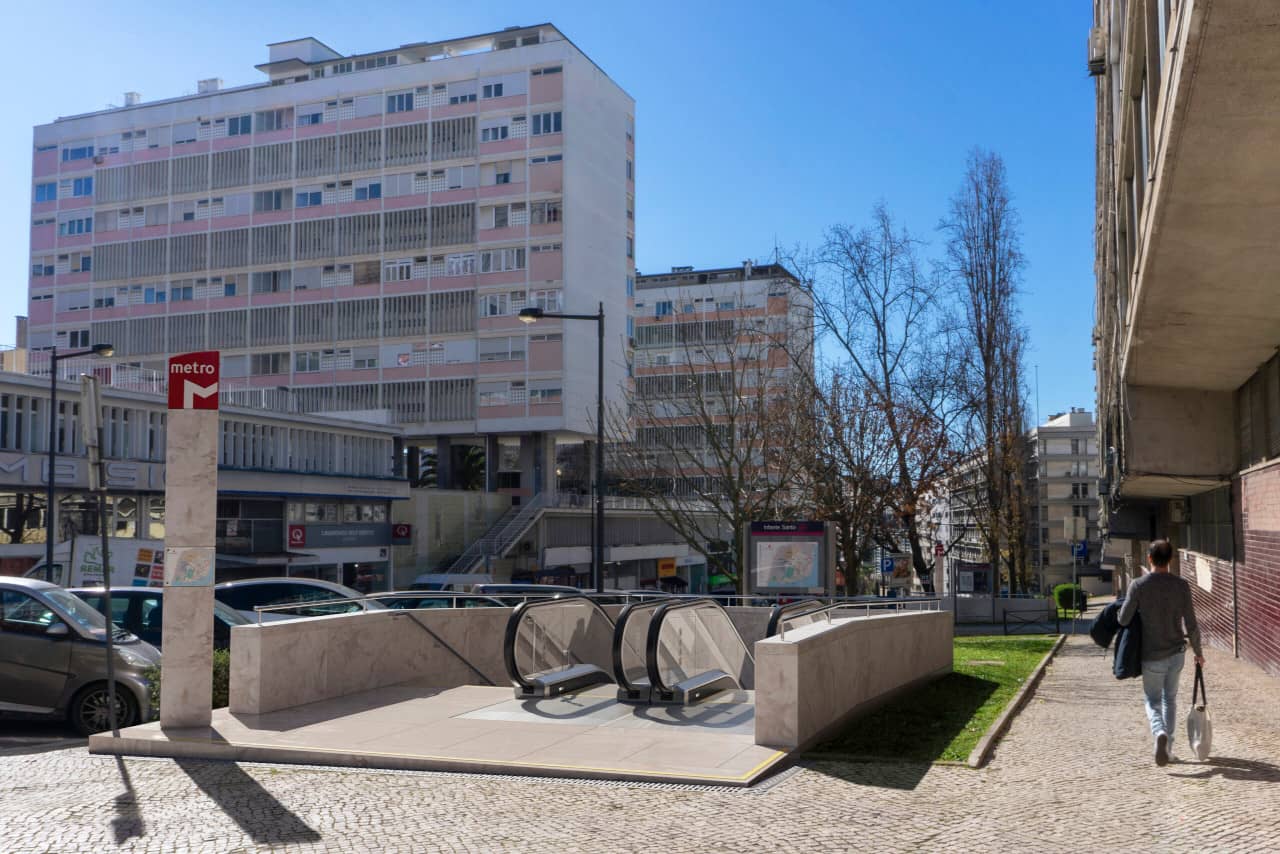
point(53, 659)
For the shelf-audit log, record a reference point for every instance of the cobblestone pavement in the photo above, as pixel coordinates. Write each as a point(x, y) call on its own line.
point(1075, 772)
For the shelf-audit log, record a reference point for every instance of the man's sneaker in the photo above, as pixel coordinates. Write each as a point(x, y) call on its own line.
point(1162, 750)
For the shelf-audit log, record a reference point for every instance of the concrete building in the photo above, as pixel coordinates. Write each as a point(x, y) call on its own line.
point(1062, 483)
point(357, 234)
point(1188, 319)
point(297, 495)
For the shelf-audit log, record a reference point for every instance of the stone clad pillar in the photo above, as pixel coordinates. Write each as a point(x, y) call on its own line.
point(191, 507)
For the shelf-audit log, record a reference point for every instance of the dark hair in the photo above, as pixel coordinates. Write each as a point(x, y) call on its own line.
point(1160, 552)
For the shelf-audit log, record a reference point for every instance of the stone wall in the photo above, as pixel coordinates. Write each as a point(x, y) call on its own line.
point(822, 675)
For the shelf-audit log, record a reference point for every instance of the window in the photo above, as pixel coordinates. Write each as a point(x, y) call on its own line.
point(397, 271)
point(261, 364)
point(47, 192)
point(78, 338)
point(375, 62)
point(77, 152)
point(42, 266)
point(270, 282)
point(239, 125)
point(82, 186)
point(460, 264)
point(550, 158)
point(400, 103)
point(270, 120)
point(544, 395)
point(366, 362)
point(104, 301)
point(631, 286)
point(154, 296)
point(308, 199)
point(181, 293)
point(372, 190)
point(307, 363)
point(502, 173)
point(662, 308)
point(493, 134)
point(544, 123)
point(631, 247)
point(81, 225)
point(551, 69)
point(548, 300)
point(270, 200)
point(463, 99)
point(544, 212)
point(493, 305)
point(305, 119)
point(491, 90)
point(501, 216)
point(727, 305)
point(342, 68)
point(631, 170)
point(500, 260)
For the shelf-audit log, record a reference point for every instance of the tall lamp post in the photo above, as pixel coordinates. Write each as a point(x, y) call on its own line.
point(105, 350)
point(533, 315)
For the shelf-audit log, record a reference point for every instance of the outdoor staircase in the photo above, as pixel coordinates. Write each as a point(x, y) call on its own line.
point(501, 535)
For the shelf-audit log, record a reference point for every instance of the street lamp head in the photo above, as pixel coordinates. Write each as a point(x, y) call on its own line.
point(530, 315)
point(103, 350)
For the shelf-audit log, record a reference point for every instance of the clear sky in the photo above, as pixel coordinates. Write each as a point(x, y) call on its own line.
point(756, 122)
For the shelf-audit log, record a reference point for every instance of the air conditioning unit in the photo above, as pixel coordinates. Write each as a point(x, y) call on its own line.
point(1097, 52)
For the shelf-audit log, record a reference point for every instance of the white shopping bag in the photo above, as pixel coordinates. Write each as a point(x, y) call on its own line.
point(1199, 726)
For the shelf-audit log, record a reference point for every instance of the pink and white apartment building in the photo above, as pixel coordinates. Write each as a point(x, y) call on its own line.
point(363, 232)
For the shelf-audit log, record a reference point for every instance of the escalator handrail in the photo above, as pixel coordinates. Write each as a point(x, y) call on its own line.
point(784, 612)
point(655, 633)
point(513, 626)
point(619, 629)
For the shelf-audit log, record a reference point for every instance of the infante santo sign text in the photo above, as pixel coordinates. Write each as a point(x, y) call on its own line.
point(193, 380)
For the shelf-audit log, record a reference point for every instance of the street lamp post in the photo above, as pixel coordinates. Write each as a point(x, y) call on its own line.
point(533, 315)
point(54, 358)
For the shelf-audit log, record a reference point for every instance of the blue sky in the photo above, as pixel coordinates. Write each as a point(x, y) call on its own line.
point(757, 122)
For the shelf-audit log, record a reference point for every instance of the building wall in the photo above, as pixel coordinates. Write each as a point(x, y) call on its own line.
point(1254, 587)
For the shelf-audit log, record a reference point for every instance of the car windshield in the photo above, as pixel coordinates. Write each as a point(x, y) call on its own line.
point(81, 612)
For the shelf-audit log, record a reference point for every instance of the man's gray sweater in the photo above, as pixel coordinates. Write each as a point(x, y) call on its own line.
point(1164, 601)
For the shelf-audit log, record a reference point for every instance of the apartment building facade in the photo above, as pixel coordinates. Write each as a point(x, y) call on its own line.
point(1062, 484)
point(1188, 321)
point(357, 235)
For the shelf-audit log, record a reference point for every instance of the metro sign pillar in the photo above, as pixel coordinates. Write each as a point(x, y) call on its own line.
point(191, 510)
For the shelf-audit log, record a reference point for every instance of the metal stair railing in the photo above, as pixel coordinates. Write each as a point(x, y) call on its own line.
point(509, 528)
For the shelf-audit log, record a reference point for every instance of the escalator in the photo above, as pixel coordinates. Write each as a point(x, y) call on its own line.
point(630, 637)
point(693, 651)
point(784, 617)
point(557, 646)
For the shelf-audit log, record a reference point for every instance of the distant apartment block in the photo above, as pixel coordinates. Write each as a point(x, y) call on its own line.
point(356, 235)
point(1062, 488)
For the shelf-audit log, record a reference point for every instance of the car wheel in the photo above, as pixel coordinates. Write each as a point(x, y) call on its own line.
point(88, 713)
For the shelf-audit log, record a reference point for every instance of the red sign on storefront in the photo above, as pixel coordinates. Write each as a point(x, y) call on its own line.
point(401, 534)
point(297, 536)
point(193, 380)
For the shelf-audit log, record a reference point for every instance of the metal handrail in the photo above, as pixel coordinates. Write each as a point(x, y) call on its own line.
point(619, 632)
point(513, 625)
point(655, 633)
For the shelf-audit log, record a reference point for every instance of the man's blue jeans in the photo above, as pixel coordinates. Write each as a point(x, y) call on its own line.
point(1160, 685)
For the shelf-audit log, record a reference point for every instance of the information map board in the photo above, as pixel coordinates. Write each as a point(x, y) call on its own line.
point(790, 558)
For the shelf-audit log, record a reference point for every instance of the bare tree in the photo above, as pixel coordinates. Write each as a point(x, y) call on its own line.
point(984, 263)
point(708, 435)
point(882, 316)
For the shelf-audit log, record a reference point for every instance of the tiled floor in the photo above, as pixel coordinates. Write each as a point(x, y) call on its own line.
point(484, 729)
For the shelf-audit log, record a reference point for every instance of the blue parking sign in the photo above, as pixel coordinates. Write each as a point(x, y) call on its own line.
point(886, 565)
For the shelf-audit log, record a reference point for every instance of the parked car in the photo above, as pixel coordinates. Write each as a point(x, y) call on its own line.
point(412, 599)
point(315, 598)
point(140, 610)
point(53, 659)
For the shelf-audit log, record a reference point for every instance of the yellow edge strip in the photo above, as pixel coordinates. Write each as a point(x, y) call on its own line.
point(498, 764)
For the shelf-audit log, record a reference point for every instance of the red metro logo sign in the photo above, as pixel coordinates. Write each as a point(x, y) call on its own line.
point(193, 380)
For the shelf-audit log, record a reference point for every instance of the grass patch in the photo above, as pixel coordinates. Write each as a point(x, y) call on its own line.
point(944, 719)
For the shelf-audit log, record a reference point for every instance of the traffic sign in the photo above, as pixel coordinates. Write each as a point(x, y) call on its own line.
point(886, 565)
point(1080, 550)
point(193, 380)
point(937, 549)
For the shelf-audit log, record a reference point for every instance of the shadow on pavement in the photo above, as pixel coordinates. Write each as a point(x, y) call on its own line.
point(869, 772)
point(18, 737)
point(128, 822)
point(255, 810)
point(1244, 770)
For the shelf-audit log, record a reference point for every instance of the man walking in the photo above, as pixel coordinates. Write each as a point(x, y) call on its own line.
point(1164, 601)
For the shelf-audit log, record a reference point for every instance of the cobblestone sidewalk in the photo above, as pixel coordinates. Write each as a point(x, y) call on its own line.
point(1074, 772)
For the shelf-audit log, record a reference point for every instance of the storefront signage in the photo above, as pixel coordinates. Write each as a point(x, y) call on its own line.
point(339, 535)
point(401, 534)
point(23, 469)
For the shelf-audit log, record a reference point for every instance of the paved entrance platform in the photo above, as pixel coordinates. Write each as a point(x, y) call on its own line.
point(483, 729)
